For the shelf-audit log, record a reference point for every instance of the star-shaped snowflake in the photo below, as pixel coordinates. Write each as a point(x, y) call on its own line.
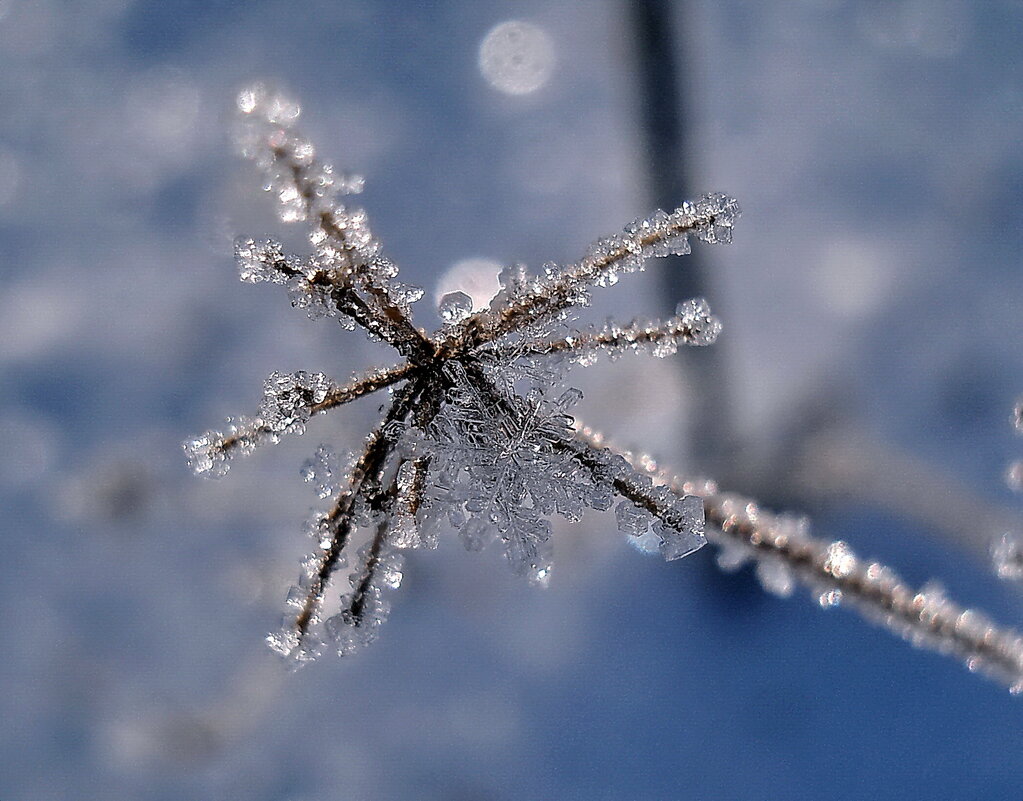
point(477, 434)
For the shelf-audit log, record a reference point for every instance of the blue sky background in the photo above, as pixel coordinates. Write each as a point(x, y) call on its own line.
point(871, 348)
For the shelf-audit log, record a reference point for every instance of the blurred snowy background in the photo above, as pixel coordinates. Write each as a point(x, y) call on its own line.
point(869, 363)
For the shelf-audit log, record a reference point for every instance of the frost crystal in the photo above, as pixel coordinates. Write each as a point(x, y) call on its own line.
point(454, 307)
point(261, 261)
point(681, 532)
point(204, 456)
point(323, 471)
point(1007, 555)
point(478, 434)
point(209, 454)
point(289, 399)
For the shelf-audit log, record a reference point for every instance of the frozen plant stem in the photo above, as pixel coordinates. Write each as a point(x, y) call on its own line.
point(477, 434)
point(785, 554)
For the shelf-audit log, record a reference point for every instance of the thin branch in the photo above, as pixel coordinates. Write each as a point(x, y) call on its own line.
point(694, 325)
point(305, 190)
point(377, 550)
point(710, 219)
point(338, 520)
point(382, 316)
point(681, 513)
point(247, 434)
point(923, 616)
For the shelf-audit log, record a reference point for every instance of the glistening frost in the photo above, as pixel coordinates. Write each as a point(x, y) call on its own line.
point(477, 435)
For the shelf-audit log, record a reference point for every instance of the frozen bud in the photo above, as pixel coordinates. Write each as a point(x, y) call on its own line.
point(703, 327)
point(712, 217)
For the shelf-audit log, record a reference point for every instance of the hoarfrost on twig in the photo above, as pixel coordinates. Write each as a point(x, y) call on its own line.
point(478, 433)
point(786, 555)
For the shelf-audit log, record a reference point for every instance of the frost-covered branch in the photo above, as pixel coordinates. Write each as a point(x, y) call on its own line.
point(346, 269)
point(333, 531)
point(693, 324)
point(477, 433)
point(785, 554)
point(533, 300)
point(289, 402)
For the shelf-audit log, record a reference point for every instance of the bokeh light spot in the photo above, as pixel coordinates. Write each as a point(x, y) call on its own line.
point(516, 57)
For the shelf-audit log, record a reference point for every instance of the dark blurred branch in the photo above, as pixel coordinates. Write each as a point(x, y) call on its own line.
point(665, 128)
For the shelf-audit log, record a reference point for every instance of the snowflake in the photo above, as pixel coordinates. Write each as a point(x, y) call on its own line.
point(477, 434)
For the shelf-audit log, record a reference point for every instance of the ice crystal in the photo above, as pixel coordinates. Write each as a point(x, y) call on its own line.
point(478, 435)
point(512, 470)
point(262, 261)
point(323, 471)
point(1008, 557)
point(289, 400)
point(454, 307)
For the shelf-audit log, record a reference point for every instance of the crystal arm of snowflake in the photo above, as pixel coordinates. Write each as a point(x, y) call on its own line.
point(474, 434)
